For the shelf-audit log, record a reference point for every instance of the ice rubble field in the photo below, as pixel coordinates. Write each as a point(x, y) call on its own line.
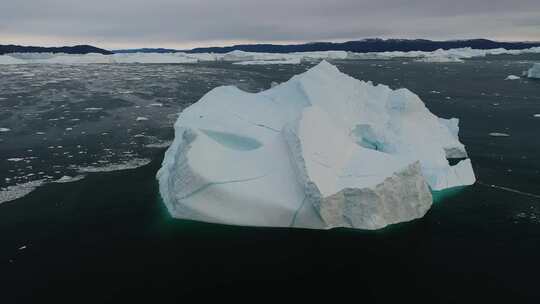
point(247, 58)
point(321, 150)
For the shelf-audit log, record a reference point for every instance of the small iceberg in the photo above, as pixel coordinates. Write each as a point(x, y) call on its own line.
point(534, 72)
point(322, 150)
point(512, 77)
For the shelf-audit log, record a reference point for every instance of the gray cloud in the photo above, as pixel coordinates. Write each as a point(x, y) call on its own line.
point(180, 23)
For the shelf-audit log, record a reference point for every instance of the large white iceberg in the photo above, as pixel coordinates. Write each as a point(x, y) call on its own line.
point(534, 72)
point(321, 150)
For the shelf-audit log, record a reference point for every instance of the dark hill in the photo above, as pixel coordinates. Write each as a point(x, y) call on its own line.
point(371, 45)
point(78, 49)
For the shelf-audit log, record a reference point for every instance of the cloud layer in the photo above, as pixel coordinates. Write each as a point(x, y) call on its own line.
point(188, 23)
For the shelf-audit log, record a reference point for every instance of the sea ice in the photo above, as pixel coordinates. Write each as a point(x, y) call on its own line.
point(14, 192)
point(110, 167)
point(512, 77)
point(321, 150)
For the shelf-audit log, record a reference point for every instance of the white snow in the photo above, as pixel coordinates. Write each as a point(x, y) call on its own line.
point(322, 150)
point(534, 71)
point(512, 77)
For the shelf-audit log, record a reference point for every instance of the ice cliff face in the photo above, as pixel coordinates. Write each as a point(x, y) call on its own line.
point(322, 150)
point(534, 72)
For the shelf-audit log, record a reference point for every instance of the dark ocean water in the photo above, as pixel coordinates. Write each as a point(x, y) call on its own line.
point(107, 237)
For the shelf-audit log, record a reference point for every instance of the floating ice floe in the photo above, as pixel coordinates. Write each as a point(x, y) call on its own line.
point(69, 179)
point(127, 165)
point(534, 72)
point(14, 192)
point(5, 129)
point(159, 145)
point(440, 59)
point(322, 150)
point(140, 118)
point(498, 134)
point(512, 77)
point(536, 115)
point(15, 159)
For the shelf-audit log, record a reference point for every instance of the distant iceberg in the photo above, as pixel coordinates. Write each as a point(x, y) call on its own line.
point(321, 150)
point(250, 58)
point(534, 72)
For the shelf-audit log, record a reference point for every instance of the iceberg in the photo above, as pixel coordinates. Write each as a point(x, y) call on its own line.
point(322, 150)
point(253, 58)
point(534, 72)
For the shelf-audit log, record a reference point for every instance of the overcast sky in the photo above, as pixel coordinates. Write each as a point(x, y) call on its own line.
point(189, 23)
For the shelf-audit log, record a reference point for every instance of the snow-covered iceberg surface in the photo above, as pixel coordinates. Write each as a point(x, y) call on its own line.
point(321, 150)
point(534, 72)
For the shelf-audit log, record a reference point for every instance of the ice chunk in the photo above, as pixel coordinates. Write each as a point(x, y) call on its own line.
point(321, 150)
point(512, 77)
point(534, 72)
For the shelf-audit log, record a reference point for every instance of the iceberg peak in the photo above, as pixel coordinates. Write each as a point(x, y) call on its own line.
point(321, 150)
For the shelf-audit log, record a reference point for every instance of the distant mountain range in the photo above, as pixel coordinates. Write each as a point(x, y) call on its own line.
point(78, 49)
point(360, 46)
